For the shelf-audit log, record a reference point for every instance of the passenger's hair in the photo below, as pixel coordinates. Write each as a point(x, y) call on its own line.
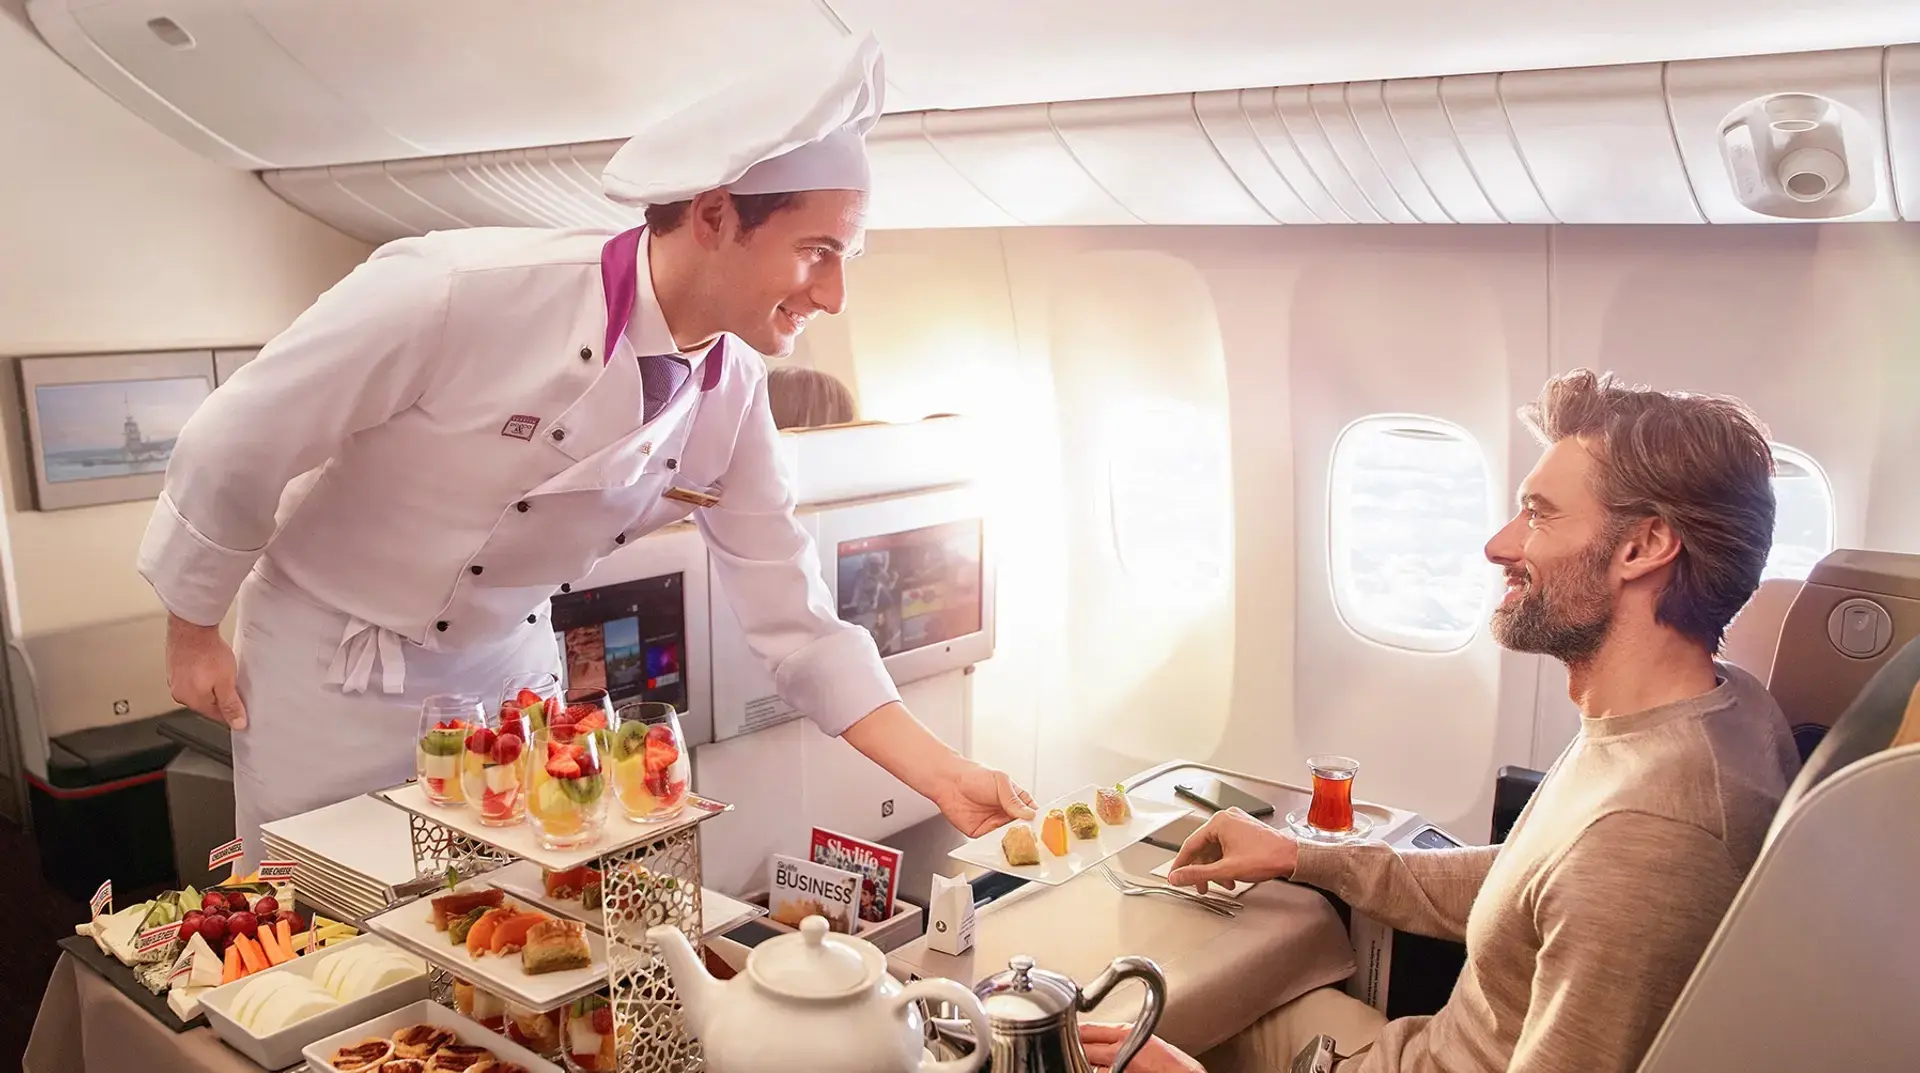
point(753, 210)
point(806, 398)
point(1700, 463)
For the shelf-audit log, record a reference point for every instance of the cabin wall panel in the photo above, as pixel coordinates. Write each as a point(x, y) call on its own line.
point(117, 238)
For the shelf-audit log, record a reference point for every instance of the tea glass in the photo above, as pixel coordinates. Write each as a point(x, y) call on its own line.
point(1332, 809)
point(651, 769)
point(445, 721)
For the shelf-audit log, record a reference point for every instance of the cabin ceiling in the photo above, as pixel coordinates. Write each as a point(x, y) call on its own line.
point(295, 83)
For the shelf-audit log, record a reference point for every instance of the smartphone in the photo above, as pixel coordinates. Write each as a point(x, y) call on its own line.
point(1220, 797)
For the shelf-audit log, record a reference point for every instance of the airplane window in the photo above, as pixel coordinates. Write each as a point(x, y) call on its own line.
point(1410, 516)
point(1803, 514)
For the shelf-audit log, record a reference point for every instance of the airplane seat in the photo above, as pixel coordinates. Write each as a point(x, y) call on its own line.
point(1856, 609)
point(1754, 634)
point(1813, 965)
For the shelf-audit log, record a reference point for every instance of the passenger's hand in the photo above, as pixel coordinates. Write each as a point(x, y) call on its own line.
point(1102, 1044)
point(1233, 847)
point(977, 799)
point(201, 672)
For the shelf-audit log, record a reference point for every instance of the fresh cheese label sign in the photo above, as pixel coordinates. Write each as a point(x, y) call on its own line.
point(228, 853)
point(103, 898)
point(276, 871)
point(155, 938)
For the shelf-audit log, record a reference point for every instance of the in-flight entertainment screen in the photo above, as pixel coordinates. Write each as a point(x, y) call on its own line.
point(628, 638)
point(913, 588)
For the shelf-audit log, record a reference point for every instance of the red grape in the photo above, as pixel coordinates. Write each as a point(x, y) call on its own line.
point(266, 906)
point(243, 924)
point(214, 929)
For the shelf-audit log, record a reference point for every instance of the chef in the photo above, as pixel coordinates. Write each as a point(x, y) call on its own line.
point(469, 421)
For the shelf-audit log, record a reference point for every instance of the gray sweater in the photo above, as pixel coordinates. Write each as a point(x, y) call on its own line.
point(1583, 926)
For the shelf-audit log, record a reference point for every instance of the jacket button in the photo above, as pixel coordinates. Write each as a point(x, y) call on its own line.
point(586, 353)
point(533, 618)
point(441, 626)
point(673, 463)
point(477, 570)
point(621, 539)
point(566, 588)
point(559, 434)
point(522, 506)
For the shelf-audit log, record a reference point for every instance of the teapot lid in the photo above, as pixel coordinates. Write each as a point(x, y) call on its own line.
point(814, 964)
point(1027, 995)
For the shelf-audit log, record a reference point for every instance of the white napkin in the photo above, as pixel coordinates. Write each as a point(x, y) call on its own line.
point(1234, 891)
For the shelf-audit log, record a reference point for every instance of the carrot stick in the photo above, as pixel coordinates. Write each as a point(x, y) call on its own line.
point(230, 968)
point(250, 953)
point(283, 932)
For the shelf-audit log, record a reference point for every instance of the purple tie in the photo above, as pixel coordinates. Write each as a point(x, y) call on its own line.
point(660, 376)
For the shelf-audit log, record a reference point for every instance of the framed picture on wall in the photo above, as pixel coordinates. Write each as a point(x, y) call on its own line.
point(101, 428)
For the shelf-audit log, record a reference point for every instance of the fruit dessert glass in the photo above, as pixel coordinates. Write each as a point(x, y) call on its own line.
point(493, 771)
point(651, 768)
point(529, 699)
point(591, 1044)
point(567, 786)
point(445, 721)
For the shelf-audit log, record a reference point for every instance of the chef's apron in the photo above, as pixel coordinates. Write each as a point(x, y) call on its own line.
point(311, 739)
point(333, 702)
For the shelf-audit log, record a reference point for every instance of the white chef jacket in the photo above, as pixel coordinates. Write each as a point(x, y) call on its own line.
point(463, 447)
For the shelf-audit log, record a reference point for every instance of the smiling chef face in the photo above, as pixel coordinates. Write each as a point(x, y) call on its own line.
point(771, 279)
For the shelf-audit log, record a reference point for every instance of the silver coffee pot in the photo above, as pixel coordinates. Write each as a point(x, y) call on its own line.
point(1034, 1016)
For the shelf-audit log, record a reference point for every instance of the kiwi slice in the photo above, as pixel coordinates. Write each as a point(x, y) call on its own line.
point(630, 740)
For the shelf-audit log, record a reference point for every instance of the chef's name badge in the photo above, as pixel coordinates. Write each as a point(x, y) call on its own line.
point(276, 871)
point(689, 495)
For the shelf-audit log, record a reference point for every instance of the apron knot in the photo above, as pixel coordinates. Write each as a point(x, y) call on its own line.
point(361, 643)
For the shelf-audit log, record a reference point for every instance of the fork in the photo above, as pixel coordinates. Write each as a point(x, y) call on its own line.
point(1135, 889)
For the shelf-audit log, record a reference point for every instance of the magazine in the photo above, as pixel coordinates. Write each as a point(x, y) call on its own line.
point(878, 865)
point(800, 889)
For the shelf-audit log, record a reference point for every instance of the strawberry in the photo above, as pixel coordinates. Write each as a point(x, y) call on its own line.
point(591, 720)
point(563, 767)
point(506, 749)
point(603, 1020)
point(527, 699)
point(660, 757)
point(450, 724)
point(480, 741)
point(588, 764)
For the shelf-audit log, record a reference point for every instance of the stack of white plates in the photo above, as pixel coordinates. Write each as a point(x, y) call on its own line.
point(347, 858)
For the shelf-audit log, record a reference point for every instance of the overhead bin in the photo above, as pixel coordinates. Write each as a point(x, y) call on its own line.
point(1599, 146)
point(1386, 145)
point(1227, 126)
point(1749, 126)
point(1016, 158)
point(1472, 104)
point(1152, 156)
point(1903, 126)
point(1420, 119)
point(1356, 156)
point(914, 186)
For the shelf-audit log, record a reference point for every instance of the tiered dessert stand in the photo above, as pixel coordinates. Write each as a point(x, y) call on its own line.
point(650, 875)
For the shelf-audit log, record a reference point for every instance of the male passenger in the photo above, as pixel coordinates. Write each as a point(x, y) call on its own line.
point(1641, 532)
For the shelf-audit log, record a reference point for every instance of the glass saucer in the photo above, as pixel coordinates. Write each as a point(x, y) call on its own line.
point(1297, 823)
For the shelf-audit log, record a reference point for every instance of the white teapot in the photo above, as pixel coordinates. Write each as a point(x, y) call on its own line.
point(812, 1003)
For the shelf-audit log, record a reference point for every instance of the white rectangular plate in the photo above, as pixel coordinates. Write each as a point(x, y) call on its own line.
point(1148, 817)
point(521, 879)
point(357, 835)
point(319, 1054)
point(282, 1049)
point(408, 926)
point(521, 841)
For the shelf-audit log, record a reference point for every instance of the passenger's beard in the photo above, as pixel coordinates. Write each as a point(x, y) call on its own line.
point(1566, 615)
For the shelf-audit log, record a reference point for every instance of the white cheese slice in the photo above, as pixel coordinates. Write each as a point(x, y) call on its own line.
point(247, 1005)
point(185, 1001)
point(370, 974)
point(207, 967)
point(290, 1007)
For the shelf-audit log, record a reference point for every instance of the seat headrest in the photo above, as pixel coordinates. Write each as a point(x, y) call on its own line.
point(1856, 609)
point(1871, 723)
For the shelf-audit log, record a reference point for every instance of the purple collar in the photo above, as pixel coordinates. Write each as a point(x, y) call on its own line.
point(619, 273)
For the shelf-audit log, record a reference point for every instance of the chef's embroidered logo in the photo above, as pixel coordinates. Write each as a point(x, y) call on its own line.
point(520, 427)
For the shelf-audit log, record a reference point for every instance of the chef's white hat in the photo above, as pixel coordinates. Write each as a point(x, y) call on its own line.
point(800, 126)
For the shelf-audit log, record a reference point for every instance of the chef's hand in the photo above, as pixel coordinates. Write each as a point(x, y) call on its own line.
point(201, 672)
point(1233, 846)
point(974, 798)
point(1102, 1044)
